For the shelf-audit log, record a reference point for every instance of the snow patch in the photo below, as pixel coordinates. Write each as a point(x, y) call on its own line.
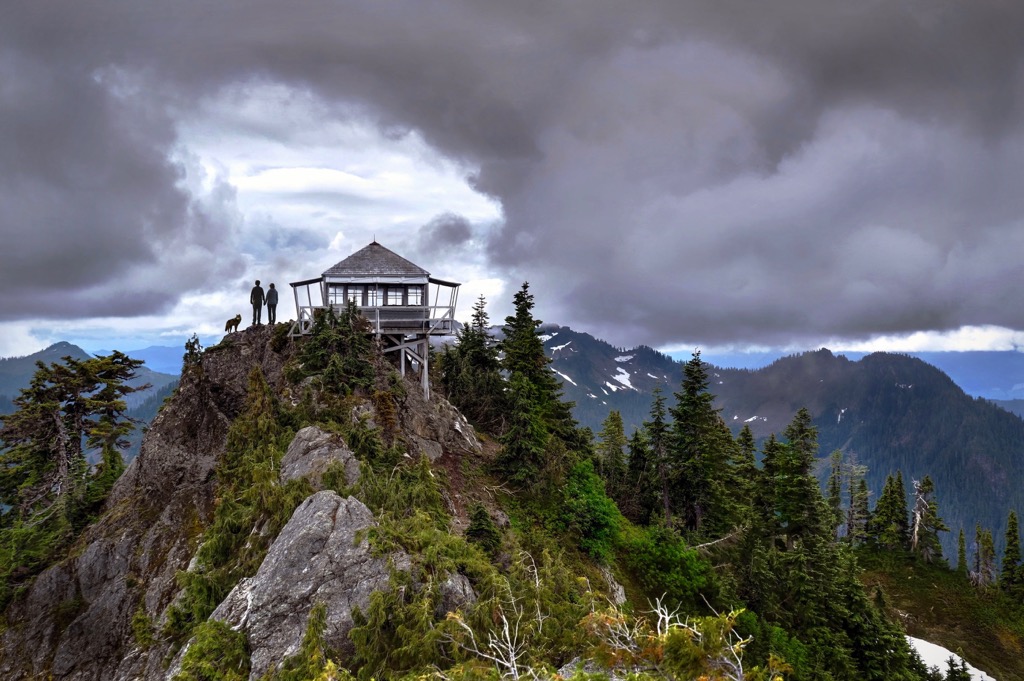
point(756, 418)
point(623, 378)
point(936, 656)
point(613, 387)
point(564, 376)
point(556, 348)
point(546, 337)
point(623, 358)
point(653, 376)
point(842, 411)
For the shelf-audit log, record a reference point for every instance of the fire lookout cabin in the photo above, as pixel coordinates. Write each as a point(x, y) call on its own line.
point(392, 294)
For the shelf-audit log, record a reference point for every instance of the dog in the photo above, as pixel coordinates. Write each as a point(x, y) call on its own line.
point(232, 324)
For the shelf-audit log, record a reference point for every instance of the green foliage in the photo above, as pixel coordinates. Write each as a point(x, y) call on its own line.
point(143, 629)
point(482, 531)
point(926, 523)
point(217, 653)
point(470, 373)
point(889, 525)
point(610, 455)
point(338, 349)
point(192, 361)
point(1011, 577)
point(586, 512)
point(665, 566)
point(700, 450)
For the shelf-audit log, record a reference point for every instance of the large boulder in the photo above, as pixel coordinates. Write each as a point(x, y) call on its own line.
point(317, 558)
point(312, 452)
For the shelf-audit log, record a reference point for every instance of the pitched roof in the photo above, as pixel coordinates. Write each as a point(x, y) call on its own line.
point(375, 260)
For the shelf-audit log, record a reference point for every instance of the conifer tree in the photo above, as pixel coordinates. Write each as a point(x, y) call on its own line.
point(657, 429)
point(47, 490)
point(858, 516)
point(926, 525)
point(747, 474)
point(961, 554)
point(470, 372)
point(1010, 575)
point(611, 462)
point(889, 524)
point(700, 450)
point(835, 488)
point(984, 574)
point(796, 490)
point(525, 439)
point(524, 355)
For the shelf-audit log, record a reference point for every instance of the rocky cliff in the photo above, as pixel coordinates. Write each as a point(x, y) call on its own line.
point(98, 614)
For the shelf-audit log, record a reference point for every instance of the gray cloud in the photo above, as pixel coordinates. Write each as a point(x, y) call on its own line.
point(705, 171)
point(443, 234)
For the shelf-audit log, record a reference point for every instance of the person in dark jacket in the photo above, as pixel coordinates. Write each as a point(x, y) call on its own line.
point(272, 305)
point(256, 298)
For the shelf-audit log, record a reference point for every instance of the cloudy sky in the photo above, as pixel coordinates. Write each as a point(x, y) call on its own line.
point(669, 172)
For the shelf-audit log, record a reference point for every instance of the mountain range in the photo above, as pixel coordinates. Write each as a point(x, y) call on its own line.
point(889, 412)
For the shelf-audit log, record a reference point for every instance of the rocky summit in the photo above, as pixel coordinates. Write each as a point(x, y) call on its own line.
point(98, 614)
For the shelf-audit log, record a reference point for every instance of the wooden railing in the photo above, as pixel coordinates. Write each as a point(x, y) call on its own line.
point(431, 320)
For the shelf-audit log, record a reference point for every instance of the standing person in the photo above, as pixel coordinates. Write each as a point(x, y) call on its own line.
point(272, 305)
point(256, 298)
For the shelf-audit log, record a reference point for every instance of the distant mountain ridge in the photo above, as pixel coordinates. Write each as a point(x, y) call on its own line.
point(891, 412)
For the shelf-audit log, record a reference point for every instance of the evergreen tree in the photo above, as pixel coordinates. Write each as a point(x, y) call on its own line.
point(835, 488)
point(524, 355)
point(657, 429)
point(984, 574)
point(700, 450)
point(927, 524)
point(858, 516)
point(47, 490)
point(470, 372)
point(747, 475)
point(1010, 575)
point(611, 463)
point(889, 524)
point(525, 440)
point(961, 554)
point(796, 490)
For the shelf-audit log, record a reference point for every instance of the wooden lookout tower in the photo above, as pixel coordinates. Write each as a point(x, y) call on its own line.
point(393, 295)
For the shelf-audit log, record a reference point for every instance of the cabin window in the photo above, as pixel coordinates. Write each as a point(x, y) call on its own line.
point(395, 294)
point(373, 296)
point(355, 294)
point(415, 295)
point(336, 295)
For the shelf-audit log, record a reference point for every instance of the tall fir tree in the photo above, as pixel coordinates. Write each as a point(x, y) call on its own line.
point(611, 461)
point(984, 573)
point(835, 489)
point(524, 355)
point(796, 490)
point(889, 523)
point(1010, 577)
point(961, 554)
point(701, 448)
point(470, 372)
point(858, 517)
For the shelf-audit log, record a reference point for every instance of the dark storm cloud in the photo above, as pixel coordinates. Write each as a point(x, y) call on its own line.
point(712, 171)
point(443, 234)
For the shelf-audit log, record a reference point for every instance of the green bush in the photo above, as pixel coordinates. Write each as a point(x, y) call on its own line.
point(587, 513)
point(665, 566)
point(217, 653)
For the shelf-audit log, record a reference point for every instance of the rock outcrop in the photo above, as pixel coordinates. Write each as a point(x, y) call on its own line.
point(317, 558)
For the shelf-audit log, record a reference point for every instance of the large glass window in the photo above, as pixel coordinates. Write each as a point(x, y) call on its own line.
point(373, 296)
point(336, 295)
point(395, 295)
point(415, 295)
point(355, 294)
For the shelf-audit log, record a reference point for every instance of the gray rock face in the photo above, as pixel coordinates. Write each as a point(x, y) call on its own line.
point(315, 559)
point(312, 452)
